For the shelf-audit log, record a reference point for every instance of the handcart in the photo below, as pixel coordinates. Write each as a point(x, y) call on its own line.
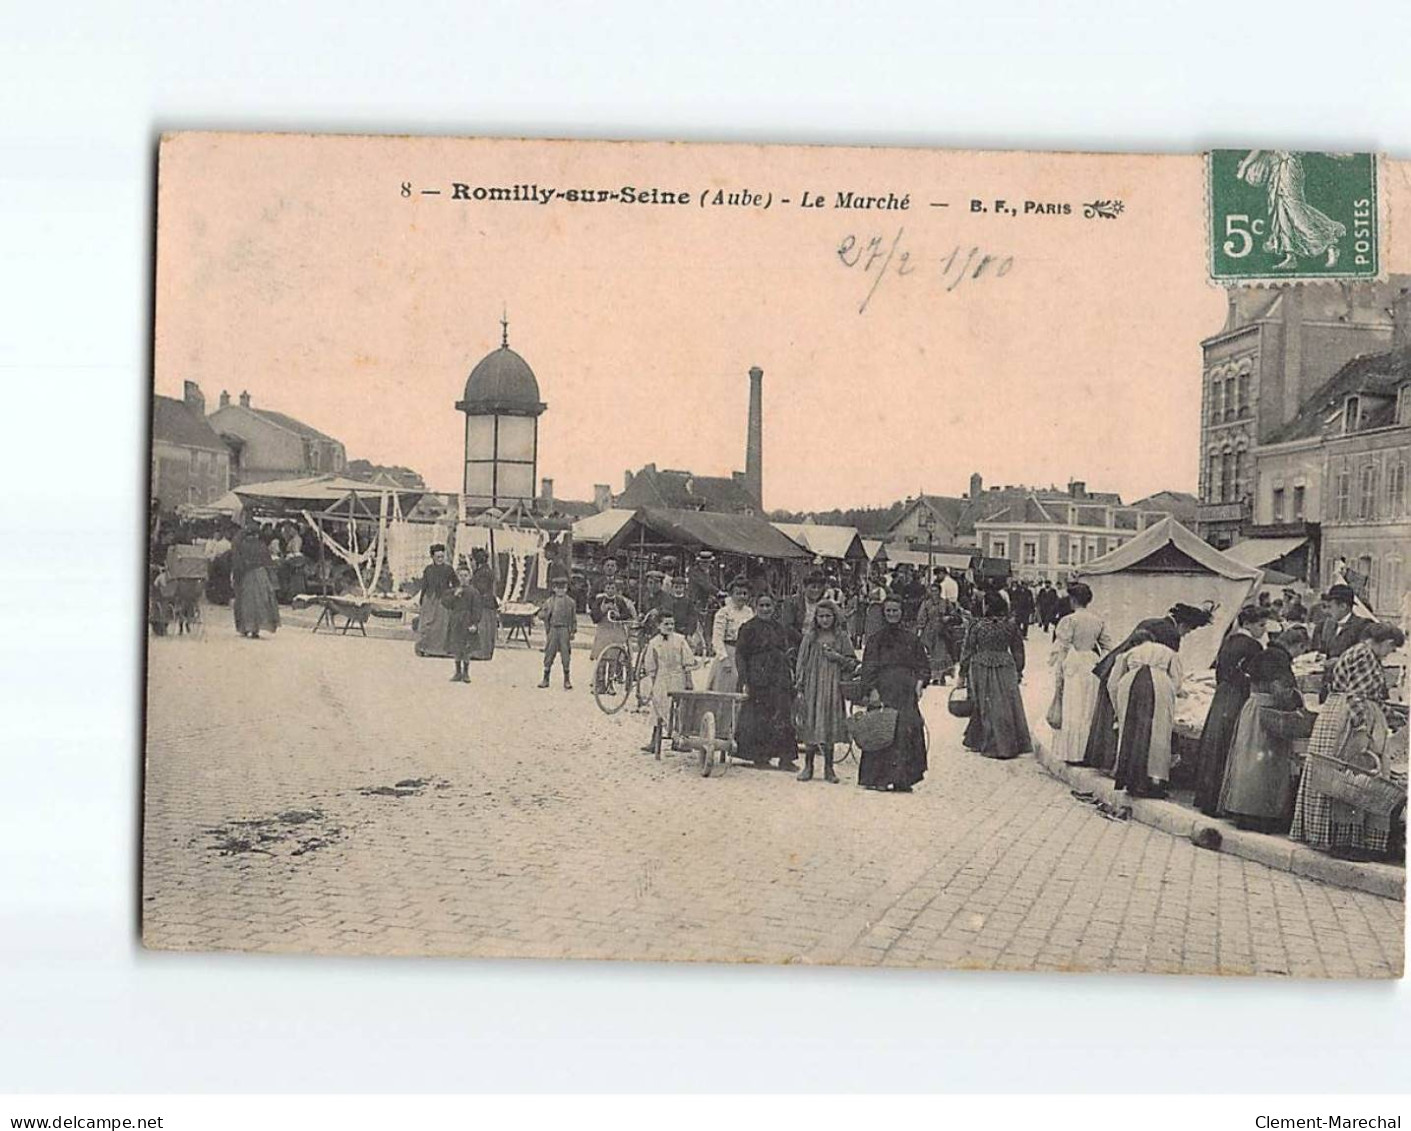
point(704, 721)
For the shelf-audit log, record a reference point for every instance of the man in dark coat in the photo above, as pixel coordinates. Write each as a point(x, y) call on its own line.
point(795, 612)
point(1021, 604)
point(1340, 631)
point(1047, 601)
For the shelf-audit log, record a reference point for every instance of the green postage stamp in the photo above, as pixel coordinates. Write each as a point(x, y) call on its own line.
point(1280, 215)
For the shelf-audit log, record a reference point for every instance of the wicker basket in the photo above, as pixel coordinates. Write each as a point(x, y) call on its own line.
point(959, 703)
point(1336, 780)
point(852, 691)
point(874, 730)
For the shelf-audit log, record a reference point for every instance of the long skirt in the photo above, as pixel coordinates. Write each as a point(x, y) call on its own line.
point(765, 728)
point(822, 714)
point(256, 609)
point(939, 652)
point(1259, 770)
point(1080, 692)
point(433, 628)
point(998, 727)
point(1215, 739)
point(723, 675)
point(1101, 750)
point(483, 643)
point(1322, 821)
point(1145, 705)
point(903, 763)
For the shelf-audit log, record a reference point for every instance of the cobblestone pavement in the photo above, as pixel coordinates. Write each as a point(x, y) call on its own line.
point(337, 794)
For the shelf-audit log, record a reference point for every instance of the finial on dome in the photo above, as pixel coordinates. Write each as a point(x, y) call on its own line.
point(504, 328)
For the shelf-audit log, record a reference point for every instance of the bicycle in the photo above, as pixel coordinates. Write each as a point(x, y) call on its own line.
point(620, 670)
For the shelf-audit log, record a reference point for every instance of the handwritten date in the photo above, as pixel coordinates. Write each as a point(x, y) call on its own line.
point(879, 257)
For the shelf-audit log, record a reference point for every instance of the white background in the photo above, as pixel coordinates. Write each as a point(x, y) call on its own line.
point(84, 90)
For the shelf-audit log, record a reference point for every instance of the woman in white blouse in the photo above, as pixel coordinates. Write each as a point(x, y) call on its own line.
point(1080, 641)
point(726, 630)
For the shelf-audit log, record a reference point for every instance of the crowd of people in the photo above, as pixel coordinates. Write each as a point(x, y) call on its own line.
point(1114, 709)
point(879, 639)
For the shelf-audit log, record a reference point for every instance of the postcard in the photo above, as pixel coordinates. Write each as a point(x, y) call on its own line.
point(779, 554)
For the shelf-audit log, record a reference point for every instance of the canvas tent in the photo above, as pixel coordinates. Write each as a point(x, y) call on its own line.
point(835, 543)
point(950, 558)
point(1162, 565)
point(599, 528)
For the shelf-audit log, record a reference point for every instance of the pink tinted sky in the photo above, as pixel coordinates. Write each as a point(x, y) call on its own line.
point(294, 268)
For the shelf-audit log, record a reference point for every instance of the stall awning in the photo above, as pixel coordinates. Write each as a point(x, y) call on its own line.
point(1262, 551)
point(705, 530)
point(323, 493)
point(917, 559)
point(840, 543)
point(599, 528)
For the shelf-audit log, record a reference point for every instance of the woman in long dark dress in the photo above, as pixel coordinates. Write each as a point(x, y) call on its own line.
point(251, 567)
point(991, 663)
point(1101, 752)
point(1260, 771)
point(895, 669)
point(483, 578)
point(434, 622)
point(1231, 691)
point(765, 728)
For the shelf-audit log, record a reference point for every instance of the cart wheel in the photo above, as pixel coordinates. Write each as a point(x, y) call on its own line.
point(707, 743)
point(610, 682)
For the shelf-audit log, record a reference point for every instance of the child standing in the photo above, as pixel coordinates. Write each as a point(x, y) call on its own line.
point(669, 661)
point(463, 604)
point(560, 617)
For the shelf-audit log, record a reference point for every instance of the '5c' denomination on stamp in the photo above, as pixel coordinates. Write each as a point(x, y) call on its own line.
point(1281, 215)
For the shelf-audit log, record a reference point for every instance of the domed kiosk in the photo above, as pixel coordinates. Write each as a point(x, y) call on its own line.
point(502, 409)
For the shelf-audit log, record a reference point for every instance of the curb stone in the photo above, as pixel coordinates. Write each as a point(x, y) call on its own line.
point(1385, 880)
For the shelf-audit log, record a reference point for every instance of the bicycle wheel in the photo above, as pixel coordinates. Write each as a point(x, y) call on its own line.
point(611, 682)
point(707, 743)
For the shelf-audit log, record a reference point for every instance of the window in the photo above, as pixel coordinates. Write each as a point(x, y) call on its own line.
point(1029, 553)
point(1367, 492)
point(1227, 477)
point(1396, 489)
point(1241, 459)
point(1298, 504)
point(1244, 394)
point(1278, 510)
point(1090, 550)
point(1062, 550)
point(1344, 495)
point(1349, 415)
point(999, 547)
point(1391, 584)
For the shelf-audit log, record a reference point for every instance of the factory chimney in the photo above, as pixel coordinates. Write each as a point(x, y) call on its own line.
point(754, 441)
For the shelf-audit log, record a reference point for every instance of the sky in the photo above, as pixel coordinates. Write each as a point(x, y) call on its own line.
point(297, 270)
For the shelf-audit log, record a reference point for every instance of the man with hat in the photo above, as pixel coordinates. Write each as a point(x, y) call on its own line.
point(438, 580)
point(795, 613)
point(1340, 631)
point(560, 616)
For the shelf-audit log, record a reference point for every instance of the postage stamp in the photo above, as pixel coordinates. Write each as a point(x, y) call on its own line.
point(1278, 214)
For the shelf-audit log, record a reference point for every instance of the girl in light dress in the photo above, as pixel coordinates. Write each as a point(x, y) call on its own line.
point(668, 663)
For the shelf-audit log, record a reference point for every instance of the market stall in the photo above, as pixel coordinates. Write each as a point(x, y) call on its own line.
point(1163, 565)
point(739, 540)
